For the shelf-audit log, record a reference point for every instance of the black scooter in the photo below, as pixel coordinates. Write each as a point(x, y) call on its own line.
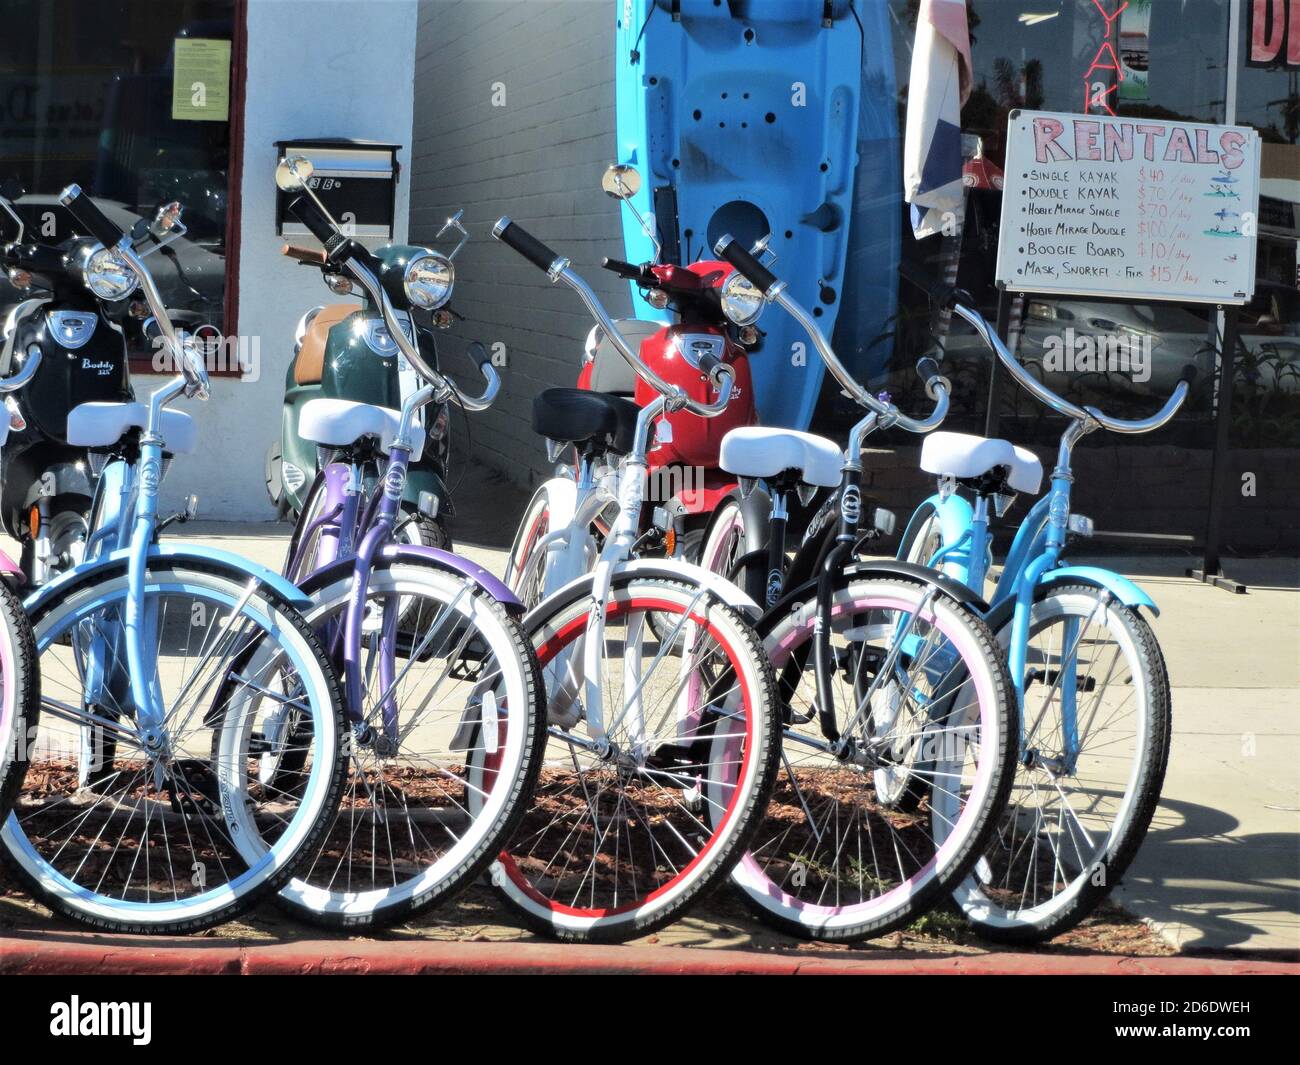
point(77, 297)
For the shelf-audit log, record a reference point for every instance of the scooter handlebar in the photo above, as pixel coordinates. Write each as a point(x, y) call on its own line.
point(89, 216)
point(20, 377)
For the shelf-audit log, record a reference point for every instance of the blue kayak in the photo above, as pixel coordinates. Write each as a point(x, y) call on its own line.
point(753, 117)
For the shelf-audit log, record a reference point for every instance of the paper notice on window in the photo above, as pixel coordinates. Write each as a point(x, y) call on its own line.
point(201, 80)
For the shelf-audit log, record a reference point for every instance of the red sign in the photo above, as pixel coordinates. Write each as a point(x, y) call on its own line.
point(1274, 34)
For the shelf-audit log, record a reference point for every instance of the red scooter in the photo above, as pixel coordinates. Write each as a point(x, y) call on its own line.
point(716, 309)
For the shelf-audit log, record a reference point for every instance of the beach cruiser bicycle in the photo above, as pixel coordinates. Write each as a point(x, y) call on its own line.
point(661, 737)
point(165, 670)
point(1087, 672)
point(897, 724)
point(443, 694)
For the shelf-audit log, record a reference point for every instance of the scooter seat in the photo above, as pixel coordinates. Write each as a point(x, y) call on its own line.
point(961, 455)
point(577, 416)
point(760, 451)
point(341, 423)
point(104, 424)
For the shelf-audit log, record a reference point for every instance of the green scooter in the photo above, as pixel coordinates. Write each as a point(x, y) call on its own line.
point(344, 351)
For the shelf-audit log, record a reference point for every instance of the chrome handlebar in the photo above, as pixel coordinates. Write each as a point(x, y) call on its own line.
point(1060, 404)
point(557, 268)
point(443, 387)
point(776, 291)
point(19, 378)
point(109, 235)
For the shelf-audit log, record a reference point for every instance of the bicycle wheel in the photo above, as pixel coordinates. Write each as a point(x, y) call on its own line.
point(175, 832)
point(921, 695)
point(724, 542)
point(624, 835)
point(19, 695)
point(443, 754)
point(526, 566)
point(1083, 795)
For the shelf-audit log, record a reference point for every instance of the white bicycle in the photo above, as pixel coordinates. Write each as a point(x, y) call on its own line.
point(662, 734)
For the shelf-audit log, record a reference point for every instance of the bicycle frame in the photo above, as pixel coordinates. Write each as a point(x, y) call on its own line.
point(1032, 561)
point(354, 537)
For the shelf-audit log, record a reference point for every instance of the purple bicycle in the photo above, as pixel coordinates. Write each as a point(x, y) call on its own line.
point(443, 692)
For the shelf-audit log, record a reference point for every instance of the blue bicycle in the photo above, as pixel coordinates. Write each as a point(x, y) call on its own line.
point(1088, 674)
point(165, 671)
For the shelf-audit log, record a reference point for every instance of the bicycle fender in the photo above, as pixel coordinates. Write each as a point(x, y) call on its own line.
point(89, 571)
point(667, 569)
point(1117, 584)
point(425, 556)
point(883, 567)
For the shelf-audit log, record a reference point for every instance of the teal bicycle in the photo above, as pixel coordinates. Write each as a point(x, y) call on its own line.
point(1088, 674)
point(169, 676)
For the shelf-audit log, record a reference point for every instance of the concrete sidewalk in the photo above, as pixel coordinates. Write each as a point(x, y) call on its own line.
point(1221, 865)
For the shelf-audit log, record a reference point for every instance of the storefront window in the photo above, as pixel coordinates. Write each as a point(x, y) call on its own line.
point(1056, 55)
point(91, 93)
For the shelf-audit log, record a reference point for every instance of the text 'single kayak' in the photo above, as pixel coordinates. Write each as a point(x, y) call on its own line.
point(748, 118)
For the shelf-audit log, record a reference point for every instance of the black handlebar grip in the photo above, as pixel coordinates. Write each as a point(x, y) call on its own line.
point(759, 275)
point(1189, 374)
point(927, 369)
point(513, 234)
point(89, 216)
point(624, 269)
point(478, 353)
point(709, 363)
point(306, 210)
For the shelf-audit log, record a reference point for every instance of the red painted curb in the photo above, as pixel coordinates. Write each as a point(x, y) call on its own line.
point(74, 953)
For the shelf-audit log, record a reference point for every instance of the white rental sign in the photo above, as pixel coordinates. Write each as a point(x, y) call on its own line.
point(1137, 207)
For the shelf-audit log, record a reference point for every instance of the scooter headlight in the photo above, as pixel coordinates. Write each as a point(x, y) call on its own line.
point(107, 274)
point(742, 303)
point(428, 280)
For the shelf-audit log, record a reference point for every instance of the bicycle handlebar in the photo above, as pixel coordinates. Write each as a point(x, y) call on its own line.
point(776, 291)
point(557, 268)
point(360, 263)
point(112, 238)
point(952, 297)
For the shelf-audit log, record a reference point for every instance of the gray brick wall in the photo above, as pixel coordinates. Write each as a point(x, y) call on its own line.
point(537, 159)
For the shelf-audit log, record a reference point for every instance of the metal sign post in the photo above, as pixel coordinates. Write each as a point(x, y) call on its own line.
point(1211, 571)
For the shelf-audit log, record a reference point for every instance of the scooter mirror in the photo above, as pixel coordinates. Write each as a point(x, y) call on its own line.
point(621, 181)
point(140, 230)
point(292, 173)
point(167, 218)
point(762, 252)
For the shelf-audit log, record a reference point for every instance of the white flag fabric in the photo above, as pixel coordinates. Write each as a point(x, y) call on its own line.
point(939, 85)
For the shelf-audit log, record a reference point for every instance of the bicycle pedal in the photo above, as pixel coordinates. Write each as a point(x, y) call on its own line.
point(1050, 677)
point(465, 668)
point(192, 787)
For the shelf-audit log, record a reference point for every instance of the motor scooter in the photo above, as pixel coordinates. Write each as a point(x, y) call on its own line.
point(76, 302)
point(716, 312)
point(344, 351)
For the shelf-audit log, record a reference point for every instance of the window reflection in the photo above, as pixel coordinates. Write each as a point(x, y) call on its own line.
point(86, 97)
point(1174, 54)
